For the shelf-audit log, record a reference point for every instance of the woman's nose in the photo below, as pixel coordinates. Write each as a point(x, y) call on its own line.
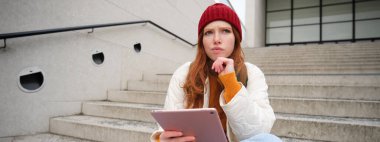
point(217, 39)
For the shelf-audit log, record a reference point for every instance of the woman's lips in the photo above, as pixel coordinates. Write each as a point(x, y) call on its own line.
point(217, 50)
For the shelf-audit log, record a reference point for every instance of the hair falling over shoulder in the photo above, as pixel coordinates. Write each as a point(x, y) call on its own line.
point(201, 67)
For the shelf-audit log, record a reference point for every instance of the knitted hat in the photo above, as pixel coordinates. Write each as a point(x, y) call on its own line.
point(222, 12)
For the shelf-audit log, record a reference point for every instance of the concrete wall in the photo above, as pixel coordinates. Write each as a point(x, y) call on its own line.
point(70, 75)
point(255, 23)
point(160, 52)
point(180, 17)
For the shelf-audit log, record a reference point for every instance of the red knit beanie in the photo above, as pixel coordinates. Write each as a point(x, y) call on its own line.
point(222, 12)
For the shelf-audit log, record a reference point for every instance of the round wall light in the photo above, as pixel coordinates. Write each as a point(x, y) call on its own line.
point(97, 57)
point(137, 47)
point(31, 79)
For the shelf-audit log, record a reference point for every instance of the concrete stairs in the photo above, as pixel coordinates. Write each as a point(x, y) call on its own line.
point(109, 121)
point(323, 92)
point(319, 92)
point(339, 101)
point(102, 128)
point(305, 119)
point(357, 58)
point(124, 116)
point(43, 137)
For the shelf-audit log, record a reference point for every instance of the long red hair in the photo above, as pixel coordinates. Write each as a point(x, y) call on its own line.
point(201, 68)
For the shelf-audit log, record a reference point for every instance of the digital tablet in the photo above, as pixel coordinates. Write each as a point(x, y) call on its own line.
point(202, 123)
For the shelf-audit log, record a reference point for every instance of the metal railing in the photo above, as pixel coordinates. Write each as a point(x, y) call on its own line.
point(92, 27)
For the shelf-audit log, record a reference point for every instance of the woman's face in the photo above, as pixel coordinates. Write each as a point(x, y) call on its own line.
point(218, 39)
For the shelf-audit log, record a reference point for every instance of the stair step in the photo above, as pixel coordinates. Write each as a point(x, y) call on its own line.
point(304, 63)
point(322, 91)
point(357, 67)
point(43, 137)
point(325, 92)
point(134, 85)
point(102, 129)
point(129, 111)
point(324, 80)
point(286, 139)
point(327, 107)
point(323, 65)
point(48, 137)
point(308, 55)
point(312, 57)
point(309, 52)
point(301, 62)
point(318, 48)
point(316, 63)
point(326, 128)
point(272, 79)
point(321, 71)
point(137, 97)
point(373, 46)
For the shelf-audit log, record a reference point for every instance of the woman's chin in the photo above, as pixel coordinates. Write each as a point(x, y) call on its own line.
point(216, 57)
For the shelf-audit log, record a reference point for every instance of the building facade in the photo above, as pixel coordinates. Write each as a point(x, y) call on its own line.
point(290, 22)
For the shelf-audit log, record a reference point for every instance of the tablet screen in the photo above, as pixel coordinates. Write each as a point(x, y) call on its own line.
point(203, 123)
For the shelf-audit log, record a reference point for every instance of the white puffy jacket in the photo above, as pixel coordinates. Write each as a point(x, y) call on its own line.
point(248, 113)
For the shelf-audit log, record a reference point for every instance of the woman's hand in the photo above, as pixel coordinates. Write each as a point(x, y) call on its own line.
point(223, 65)
point(174, 136)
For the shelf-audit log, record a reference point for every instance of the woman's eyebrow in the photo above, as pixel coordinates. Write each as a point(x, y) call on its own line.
point(224, 27)
point(208, 29)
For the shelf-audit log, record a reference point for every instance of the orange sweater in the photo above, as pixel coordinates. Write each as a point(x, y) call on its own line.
point(231, 85)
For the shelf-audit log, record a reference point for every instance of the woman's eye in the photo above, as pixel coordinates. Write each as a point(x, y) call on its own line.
point(226, 31)
point(208, 33)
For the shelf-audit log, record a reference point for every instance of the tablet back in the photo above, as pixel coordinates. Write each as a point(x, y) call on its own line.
point(203, 123)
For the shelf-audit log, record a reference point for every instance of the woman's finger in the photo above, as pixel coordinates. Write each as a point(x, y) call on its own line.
point(215, 66)
point(221, 63)
point(170, 134)
point(185, 139)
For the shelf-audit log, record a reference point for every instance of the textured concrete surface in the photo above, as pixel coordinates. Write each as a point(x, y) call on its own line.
point(71, 76)
point(135, 85)
point(137, 97)
point(102, 129)
point(129, 111)
point(355, 58)
point(45, 137)
point(326, 128)
point(327, 107)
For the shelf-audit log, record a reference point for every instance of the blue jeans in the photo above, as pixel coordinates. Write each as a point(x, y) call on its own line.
point(263, 137)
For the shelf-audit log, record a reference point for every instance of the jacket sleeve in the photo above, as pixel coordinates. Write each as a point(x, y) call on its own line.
point(175, 95)
point(249, 112)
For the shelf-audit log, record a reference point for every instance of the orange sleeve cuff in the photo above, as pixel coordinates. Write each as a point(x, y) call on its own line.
point(157, 138)
point(231, 86)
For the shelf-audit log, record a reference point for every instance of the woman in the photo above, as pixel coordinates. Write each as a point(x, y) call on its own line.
point(219, 78)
